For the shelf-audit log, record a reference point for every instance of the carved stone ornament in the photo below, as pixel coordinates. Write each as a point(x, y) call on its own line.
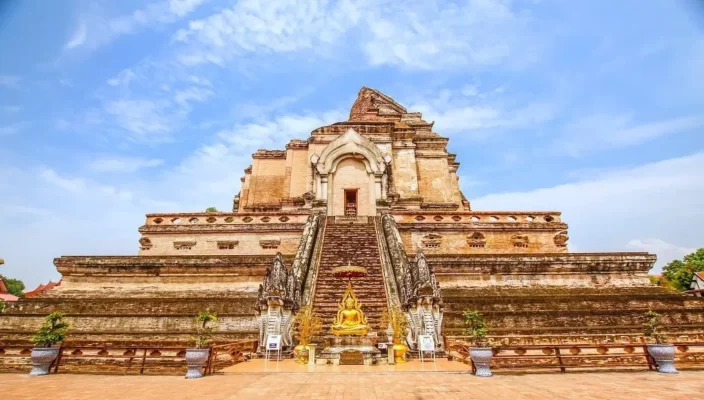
point(476, 240)
point(270, 244)
point(184, 245)
point(561, 239)
point(145, 243)
point(278, 299)
point(520, 241)
point(431, 241)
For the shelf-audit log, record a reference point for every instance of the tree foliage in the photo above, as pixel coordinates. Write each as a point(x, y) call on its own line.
point(680, 272)
point(475, 328)
point(14, 286)
point(205, 323)
point(53, 330)
point(211, 209)
point(2, 306)
point(653, 326)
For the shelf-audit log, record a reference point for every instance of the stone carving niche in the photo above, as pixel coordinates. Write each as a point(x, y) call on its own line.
point(145, 243)
point(520, 241)
point(476, 240)
point(561, 239)
point(431, 241)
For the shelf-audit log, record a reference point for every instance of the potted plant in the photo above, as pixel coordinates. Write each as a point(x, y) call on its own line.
point(663, 353)
point(399, 325)
point(197, 357)
point(53, 331)
point(305, 327)
point(479, 352)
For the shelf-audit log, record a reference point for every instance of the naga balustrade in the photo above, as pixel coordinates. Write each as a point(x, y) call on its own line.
point(128, 358)
point(578, 356)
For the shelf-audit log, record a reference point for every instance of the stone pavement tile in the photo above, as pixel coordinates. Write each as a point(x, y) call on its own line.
point(362, 385)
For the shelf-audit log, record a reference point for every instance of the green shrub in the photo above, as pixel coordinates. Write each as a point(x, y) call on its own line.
point(53, 330)
point(652, 326)
point(475, 328)
point(205, 324)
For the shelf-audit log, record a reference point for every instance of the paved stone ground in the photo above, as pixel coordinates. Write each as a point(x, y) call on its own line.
point(399, 385)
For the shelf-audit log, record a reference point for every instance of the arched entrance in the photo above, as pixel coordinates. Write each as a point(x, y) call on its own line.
point(351, 194)
point(350, 175)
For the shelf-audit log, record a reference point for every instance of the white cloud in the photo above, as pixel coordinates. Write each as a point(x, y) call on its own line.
point(607, 131)
point(276, 131)
point(196, 94)
point(11, 109)
point(666, 251)
point(428, 35)
point(123, 78)
point(123, 164)
point(662, 200)
point(415, 34)
point(96, 29)
point(50, 176)
point(183, 7)
point(78, 37)
point(272, 26)
point(144, 119)
point(477, 114)
point(13, 128)
point(9, 80)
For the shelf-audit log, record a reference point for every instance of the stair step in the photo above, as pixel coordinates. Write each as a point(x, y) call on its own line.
point(355, 244)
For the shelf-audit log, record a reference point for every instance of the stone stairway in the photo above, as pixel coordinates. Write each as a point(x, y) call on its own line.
point(357, 244)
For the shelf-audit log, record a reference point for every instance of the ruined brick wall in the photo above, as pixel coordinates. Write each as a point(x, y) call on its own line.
point(145, 299)
point(267, 180)
point(405, 172)
point(494, 242)
point(566, 270)
point(221, 233)
point(538, 314)
point(298, 169)
point(482, 232)
point(434, 181)
point(242, 243)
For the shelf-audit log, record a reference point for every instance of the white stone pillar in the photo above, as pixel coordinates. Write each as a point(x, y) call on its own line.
point(323, 187)
point(311, 354)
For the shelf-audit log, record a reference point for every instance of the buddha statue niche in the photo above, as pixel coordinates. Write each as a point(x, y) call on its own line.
point(350, 319)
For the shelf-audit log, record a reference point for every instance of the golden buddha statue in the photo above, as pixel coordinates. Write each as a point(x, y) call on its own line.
point(350, 319)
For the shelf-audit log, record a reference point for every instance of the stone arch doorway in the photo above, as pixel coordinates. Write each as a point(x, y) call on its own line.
point(351, 184)
point(350, 162)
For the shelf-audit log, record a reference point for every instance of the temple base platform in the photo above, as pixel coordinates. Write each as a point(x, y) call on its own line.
point(350, 350)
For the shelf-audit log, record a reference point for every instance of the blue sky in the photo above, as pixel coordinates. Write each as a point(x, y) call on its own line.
point(110, 110)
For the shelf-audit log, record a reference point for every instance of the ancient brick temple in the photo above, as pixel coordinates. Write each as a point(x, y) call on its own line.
point(381, 191)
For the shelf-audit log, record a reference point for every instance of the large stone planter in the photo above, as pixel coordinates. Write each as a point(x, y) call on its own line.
point(42, 357)
point(481, 357)
point(664, 355)
point(196, 359)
